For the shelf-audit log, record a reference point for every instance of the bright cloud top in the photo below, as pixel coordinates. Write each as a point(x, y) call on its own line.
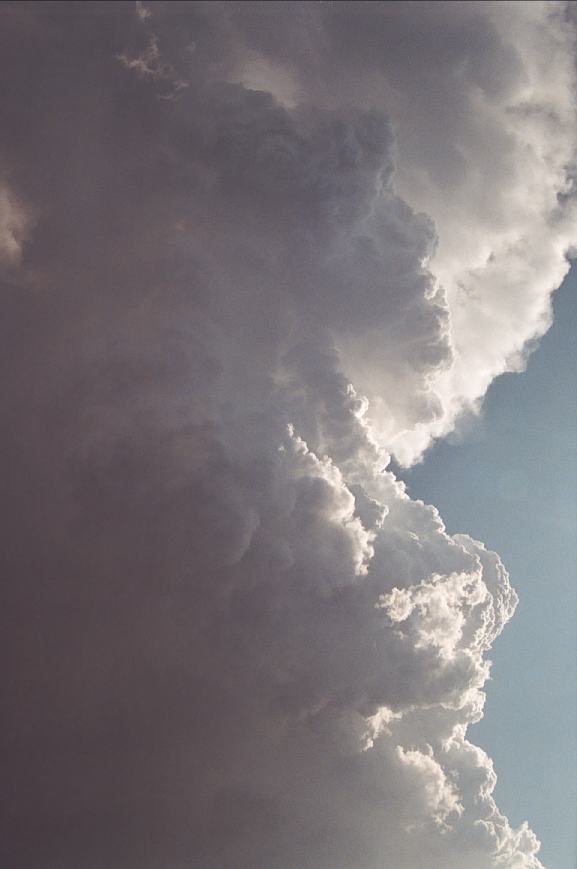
point(270, 246)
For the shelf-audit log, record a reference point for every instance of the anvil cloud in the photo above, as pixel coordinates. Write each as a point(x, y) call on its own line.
point(248, 253)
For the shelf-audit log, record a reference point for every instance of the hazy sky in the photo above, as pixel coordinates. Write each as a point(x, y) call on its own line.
point(257, 260)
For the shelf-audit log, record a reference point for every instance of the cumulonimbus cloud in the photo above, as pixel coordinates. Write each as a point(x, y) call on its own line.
point(237, 641)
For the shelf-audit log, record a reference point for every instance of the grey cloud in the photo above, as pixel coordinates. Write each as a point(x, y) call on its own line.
point(234, 639)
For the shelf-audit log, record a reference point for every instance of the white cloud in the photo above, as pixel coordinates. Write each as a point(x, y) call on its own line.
point(482, 98)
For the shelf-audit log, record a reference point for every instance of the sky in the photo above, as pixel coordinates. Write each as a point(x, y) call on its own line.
point(260, 265)
point(517, 471)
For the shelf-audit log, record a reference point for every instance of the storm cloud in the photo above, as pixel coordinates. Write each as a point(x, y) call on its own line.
point(249, 252)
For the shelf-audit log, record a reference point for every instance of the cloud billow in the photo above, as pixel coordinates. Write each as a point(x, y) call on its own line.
point(247, 253)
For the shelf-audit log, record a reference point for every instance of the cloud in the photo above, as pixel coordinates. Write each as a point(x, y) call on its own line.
point(481, 97)
point(236, 640)
point(142, 10)
point(15, 226)
point(149, 64)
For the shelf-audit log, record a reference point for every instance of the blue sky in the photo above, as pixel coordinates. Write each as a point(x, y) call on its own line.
point(510, 481)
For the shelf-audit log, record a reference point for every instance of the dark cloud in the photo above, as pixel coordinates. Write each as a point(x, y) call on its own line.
point(233, 640)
